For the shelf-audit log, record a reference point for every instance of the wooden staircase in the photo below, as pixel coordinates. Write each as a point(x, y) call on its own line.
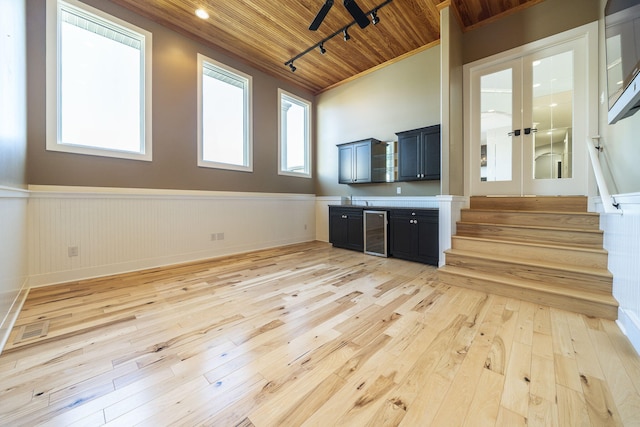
point(546, 250)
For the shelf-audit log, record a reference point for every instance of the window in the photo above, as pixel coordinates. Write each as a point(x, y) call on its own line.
point(224, 117)
point(98, 83)
point(295, 151)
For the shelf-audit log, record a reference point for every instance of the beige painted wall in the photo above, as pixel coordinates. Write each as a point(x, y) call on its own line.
point(399, 97)
point(534, 23)
point(174, 122)
point(452, 108)
point(621, 153)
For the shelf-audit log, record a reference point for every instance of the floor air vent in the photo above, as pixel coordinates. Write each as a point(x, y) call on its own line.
point(32, 331)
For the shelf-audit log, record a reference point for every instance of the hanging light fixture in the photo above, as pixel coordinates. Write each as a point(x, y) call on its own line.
point(345, 34)
point(344, 31)
point(374, 17)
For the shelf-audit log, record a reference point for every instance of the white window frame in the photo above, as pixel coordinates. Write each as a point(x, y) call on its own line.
point(282, 153)
point(248, 116)
point(53, 117)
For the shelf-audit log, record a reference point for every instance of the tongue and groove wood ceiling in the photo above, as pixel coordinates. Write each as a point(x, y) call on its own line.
point(267, 33)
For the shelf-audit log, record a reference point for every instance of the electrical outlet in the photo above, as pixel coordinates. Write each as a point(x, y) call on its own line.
point(398, 190)
point(73, 251)
point(213, 236)
point(220, 236)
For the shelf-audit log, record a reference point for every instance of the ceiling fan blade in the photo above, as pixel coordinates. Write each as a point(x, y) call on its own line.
point(320, 16)
point(357, 13)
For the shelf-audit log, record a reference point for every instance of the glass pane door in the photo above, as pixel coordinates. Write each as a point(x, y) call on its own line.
point(525, 116)
point(496, 156)
point(554, 88)
point(552, 116)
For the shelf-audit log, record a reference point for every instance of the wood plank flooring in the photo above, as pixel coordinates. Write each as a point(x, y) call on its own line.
point(310, 335)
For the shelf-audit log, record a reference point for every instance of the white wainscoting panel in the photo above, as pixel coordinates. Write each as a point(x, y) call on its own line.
point(13, 257)
point(77, 233)
point(622, 241)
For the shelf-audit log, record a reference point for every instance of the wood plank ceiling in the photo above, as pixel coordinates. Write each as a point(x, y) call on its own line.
point(267, 33)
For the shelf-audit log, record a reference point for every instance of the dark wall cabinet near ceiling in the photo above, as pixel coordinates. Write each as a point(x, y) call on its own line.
point(362, 162)
point(419, 154)
point(346, 228)
point(413, 233)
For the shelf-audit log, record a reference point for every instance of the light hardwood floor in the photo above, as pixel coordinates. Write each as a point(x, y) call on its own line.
point(310, 335)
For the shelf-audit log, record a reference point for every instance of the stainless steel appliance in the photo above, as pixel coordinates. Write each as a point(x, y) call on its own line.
point(375, 232)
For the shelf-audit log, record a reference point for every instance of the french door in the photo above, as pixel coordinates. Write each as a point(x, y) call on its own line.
point(527, 123)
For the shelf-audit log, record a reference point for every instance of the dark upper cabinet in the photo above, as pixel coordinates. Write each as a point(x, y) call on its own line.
point(346, 228)
point(419, 154)
point(414, 235)
point(362, 162)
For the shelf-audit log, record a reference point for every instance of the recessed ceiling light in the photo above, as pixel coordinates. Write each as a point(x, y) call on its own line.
point(202, 14)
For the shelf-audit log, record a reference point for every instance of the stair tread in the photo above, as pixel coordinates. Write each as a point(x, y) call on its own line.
point(534, 244)
point(532, 285)
point(516, 211)
point(532, 227)
point(600, 272)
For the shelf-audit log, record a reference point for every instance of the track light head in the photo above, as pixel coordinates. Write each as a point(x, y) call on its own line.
point(345, 34)
point(293, 67)
point(322, 49)
point(374, 17)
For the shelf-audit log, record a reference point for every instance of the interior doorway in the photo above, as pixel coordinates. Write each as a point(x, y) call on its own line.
point(527, 118)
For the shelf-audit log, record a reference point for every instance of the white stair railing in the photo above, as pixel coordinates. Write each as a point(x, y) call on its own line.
point(608, 201)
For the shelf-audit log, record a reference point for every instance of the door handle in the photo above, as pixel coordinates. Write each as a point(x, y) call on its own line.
point(515, 132)
point(527, 131)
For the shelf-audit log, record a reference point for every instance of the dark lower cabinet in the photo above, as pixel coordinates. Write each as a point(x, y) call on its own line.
point(414, 235)
point(346, 228)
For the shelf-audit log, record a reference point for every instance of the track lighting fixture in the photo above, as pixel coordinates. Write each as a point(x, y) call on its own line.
point(374, 17)
point(351, 6)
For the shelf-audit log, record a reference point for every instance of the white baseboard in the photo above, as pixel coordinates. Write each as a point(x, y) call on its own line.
point(49, 279)
point(629, 324)
point(12, 315)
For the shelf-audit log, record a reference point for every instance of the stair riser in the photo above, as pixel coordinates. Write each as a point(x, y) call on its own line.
point(570, 303)
point(548, 254)
point(562, 237)
point(587, 222)
point(548, 204)
point(560, 278)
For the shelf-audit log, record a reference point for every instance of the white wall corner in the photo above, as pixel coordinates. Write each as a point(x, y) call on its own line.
point(622, 242)
point(449, 215)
